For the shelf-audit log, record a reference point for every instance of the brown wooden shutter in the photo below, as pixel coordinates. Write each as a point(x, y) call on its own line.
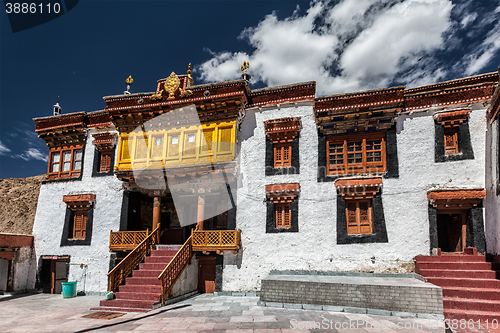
point(365, 223)
point(359, 217)
point(80, 224)
point(282, 155)
point(278, 157)
point(352, 223)
point(451, 141)
point(283, 215)
point(105, 162)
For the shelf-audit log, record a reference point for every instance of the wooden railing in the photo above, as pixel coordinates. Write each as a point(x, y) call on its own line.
point(175, 268)
point(216, 240)
point(118, 274)
point(126, 240)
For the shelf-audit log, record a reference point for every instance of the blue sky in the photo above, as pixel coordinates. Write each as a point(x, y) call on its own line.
point(344, 46)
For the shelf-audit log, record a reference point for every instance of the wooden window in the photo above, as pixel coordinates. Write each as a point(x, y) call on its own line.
point(359, 217)
point(79, 224)
point(356, 154)
point(282, 213)
point(282, 155)
point(105, 161)
point(451, 140)
point(65, 162)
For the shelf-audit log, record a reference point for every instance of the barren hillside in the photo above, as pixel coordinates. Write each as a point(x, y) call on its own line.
point(18, 200)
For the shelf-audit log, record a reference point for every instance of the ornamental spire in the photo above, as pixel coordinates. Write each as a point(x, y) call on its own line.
point(129, 82)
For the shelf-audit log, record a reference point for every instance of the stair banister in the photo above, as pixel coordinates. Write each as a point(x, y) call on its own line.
point(132, 260)
point(174, 269)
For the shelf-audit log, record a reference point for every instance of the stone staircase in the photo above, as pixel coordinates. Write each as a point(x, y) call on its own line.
point(471, 289)
point(141, 292)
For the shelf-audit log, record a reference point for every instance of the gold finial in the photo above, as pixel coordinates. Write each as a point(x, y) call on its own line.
point(245, 66)
point(190, 75)
point(129, 82)
point(171, 84)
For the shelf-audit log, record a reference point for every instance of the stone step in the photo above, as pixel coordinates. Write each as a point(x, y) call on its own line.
point(163, 253)
point(465, 274)
point(142, 281)
point(153, 266)
point(460, 282)
point(155, 297)
point(158, 259)
point(140, 289)
point(121, 303)
point(471, 304)
point(492, 317)
point(118, 309)
point(452, 258)
point(457, 265)
point(146, 273)
point(166, 247)
point(472, 293)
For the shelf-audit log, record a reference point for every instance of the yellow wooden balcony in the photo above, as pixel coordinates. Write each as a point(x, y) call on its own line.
point(126, 240)
point(216, 240)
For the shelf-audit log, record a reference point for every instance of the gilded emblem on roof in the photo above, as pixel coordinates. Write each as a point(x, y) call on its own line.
point(171, 85)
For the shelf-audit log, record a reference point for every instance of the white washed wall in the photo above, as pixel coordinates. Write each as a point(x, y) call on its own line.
point(49, 223)
point(492, 200)
point(314, 247)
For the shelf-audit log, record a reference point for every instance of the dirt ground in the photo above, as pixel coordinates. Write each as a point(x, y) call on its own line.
point(18, 201)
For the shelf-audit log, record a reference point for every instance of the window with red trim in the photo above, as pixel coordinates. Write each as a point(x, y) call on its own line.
point(359, 217)
point(356, 154)
point(65, 162)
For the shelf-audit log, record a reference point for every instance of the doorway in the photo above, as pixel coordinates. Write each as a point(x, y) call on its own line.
point(54, 271)
point(206, 275)
point(452, 231)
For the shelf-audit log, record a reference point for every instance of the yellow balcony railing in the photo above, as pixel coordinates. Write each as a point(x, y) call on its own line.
point(126, 240)
point(216, 240)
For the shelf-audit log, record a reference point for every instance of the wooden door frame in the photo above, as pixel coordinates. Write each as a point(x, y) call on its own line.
point(463, 214)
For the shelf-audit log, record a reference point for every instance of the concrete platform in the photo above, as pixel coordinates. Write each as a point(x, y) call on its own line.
point(199, 314)
point(398, 296)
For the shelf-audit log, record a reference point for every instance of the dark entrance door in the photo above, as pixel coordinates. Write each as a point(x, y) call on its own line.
point(452, 231)
point(206, 275)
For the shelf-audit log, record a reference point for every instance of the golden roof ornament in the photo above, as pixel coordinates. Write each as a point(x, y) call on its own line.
point(129, 82)
point(171, 85)
point(190, 75)
point(244, 71)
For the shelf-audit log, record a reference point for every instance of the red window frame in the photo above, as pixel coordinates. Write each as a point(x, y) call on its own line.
point(356, 154)
point(359, 216)
point(72, 172)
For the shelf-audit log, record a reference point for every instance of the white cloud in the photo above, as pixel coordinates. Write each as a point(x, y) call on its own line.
point(353, 45)
point(33, 154)
point(3, 149)
point(468, 18)
point(485, 52)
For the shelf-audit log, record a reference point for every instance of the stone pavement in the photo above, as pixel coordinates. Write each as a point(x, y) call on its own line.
point(202, 313)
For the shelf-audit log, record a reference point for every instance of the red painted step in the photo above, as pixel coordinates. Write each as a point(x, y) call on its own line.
point(459, 273)
point(492, 317)
point(142, 290)
point(472, 293)
point(458, 265)
point(453, 258)
point(470, 284)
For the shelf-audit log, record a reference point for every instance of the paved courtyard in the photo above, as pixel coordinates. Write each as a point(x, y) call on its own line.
point(202, 313)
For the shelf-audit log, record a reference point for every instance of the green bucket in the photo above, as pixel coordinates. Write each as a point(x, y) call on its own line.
point(69, 289)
